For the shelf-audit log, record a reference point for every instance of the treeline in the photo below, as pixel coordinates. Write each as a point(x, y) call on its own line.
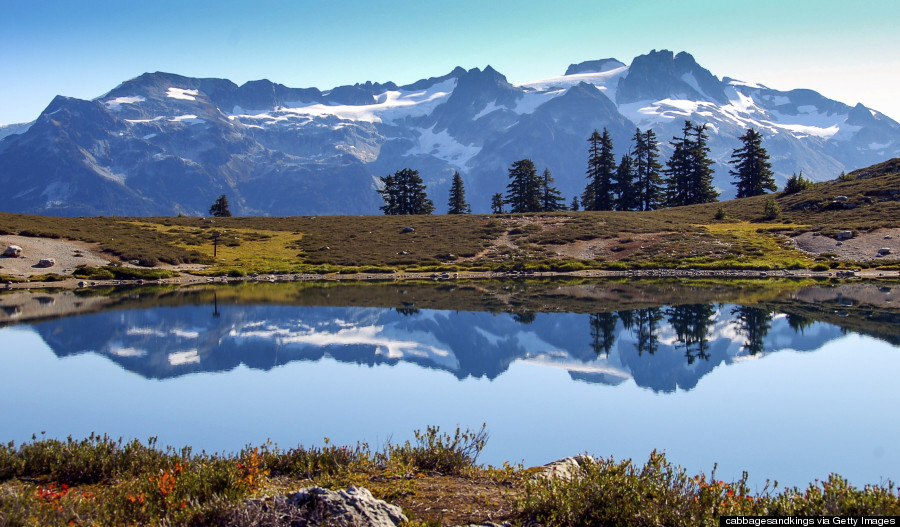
point(637, 182)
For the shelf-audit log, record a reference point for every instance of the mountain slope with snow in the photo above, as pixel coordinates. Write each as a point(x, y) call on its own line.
point(163, 144)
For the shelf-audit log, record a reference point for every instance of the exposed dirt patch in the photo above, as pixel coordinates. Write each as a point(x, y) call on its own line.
point(612, 249)
point(862, 247)
point(458, 500)
point(67, 254)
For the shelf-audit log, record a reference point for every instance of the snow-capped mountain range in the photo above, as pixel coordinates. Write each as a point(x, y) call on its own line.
point(162, 144)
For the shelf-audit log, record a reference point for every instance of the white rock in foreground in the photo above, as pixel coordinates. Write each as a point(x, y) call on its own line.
point(565, 469)
point(13, 251)
point(354, 507)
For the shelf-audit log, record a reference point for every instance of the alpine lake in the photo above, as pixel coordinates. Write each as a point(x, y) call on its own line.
point(788, 380)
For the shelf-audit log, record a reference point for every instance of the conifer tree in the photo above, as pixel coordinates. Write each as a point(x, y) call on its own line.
point(523, 194)
point(404, 193)
point(691, 323)
point(551, 199)
point(796, 183)
point(701, 174)
point(574, 205)
point(677, 184)
point(646, 328)
point(497, 203)
point(624, 186)
point(689, 171)
point(752, 170)
point(601, 168)
point(603, 332)
point(648, 181)
point(219, 209)
point(458, 204)
point(754, 323)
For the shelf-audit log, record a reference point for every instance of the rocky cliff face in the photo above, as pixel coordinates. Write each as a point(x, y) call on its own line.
point(163, 144)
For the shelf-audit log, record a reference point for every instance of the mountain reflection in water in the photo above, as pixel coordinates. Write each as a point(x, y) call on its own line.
point(661, 347)
point(554, 367)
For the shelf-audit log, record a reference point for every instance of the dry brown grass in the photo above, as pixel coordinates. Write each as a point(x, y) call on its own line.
point(677, 237)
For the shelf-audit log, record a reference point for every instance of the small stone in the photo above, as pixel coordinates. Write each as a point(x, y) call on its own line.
point(46, 262)
point(407, 230)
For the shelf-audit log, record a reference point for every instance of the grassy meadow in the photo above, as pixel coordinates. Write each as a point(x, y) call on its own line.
point(736, 234)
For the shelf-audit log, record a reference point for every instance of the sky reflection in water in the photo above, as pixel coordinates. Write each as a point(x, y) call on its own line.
point(800, 406)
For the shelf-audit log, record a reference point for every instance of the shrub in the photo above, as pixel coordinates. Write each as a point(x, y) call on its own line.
point(721, 214)
point(439, 452)
point(796, 183)
point(148, 261)
point(771, 211)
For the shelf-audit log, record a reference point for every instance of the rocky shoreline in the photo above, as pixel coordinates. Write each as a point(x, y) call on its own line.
point(186, 279)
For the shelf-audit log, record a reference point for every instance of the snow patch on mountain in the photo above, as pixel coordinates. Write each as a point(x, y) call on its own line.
point(188, 119)
point(736, 82)
point(126, 351)
point(489, 108)
point(182, 358)
point(565, 362)
point(138, 121)
point(116, 104)
point(650, 113)
point(389, 106)
point(182, 94)
point(443, 146)
point(605, 80)
point(691, 81)
point(408, 346)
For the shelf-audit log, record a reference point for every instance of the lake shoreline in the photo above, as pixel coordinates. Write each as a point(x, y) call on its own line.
point(188, 279)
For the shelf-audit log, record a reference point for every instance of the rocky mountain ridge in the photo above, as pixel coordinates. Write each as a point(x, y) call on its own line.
point(164, 144)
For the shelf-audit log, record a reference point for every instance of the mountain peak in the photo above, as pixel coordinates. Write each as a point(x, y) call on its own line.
point(594, 66)
point(664, 75)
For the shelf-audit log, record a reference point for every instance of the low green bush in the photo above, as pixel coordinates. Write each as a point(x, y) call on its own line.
point(441, 452)
point(606, 492)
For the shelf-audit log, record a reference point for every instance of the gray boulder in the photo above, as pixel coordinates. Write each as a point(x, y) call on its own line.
point(46, 262)
point(844, 235)
point(354, 507)
point(319, 507)
point(564, 469)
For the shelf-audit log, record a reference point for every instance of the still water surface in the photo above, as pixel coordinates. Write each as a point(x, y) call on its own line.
point(786, 382)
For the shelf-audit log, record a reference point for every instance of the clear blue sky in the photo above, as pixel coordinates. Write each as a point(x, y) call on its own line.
point(849, 51)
